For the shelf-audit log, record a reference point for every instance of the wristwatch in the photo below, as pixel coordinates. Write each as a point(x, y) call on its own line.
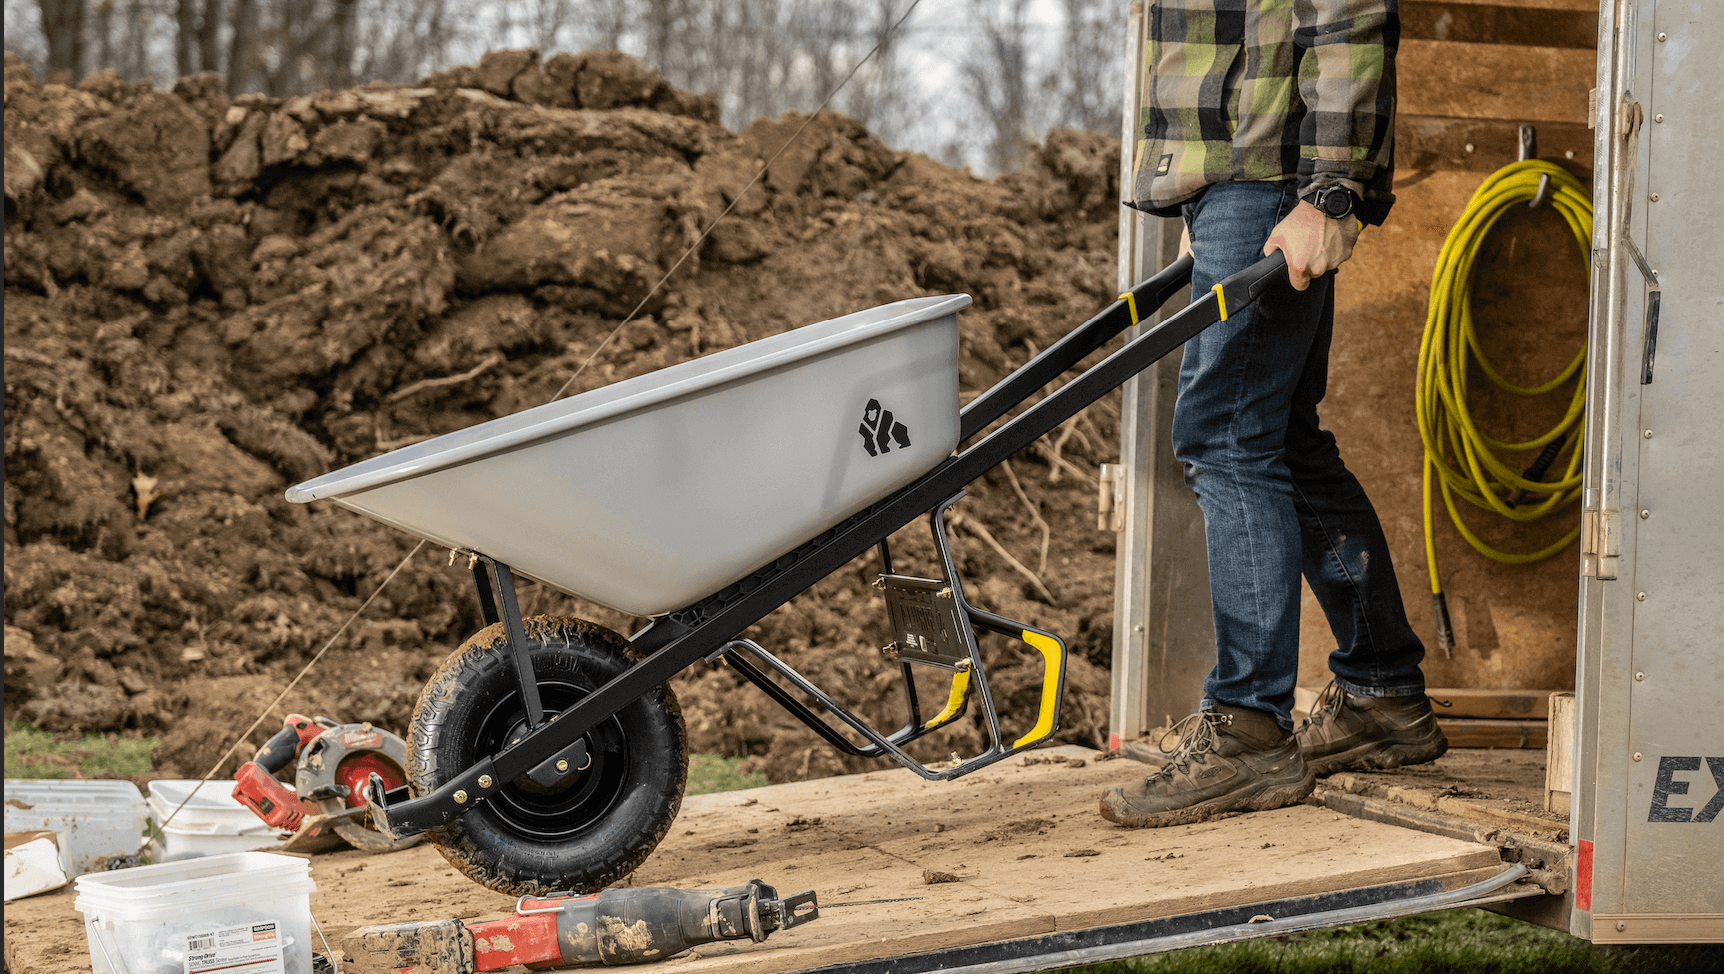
point(1333, 202)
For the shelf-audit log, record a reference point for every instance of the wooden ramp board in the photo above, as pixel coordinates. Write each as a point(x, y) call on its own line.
point(1029, 853)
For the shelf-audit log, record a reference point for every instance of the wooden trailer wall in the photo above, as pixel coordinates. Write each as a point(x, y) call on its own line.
point(1470, 74)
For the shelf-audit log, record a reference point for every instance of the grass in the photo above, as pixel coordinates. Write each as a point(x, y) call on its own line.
point(709, 773)
point(31, 753)
point(1447, 942)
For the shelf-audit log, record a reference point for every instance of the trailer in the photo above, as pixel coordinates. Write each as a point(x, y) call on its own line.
point(1633, 769)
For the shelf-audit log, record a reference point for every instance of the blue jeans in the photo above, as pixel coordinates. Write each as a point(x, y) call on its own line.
point(1277, 500)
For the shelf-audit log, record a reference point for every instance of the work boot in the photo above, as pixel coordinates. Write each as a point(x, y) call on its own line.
point(1348, 732)
point(1229, 759)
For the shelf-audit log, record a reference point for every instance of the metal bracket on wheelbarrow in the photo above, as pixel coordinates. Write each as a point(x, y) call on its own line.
point(967, 672)
point(496, 585)
point(675, 641)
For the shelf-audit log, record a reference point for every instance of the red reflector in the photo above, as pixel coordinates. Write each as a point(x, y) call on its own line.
point(1583, 877)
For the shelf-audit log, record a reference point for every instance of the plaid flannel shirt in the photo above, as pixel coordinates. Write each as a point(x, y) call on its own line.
point(1268, 90)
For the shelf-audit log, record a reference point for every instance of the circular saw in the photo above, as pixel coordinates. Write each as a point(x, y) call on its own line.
point(335, 762)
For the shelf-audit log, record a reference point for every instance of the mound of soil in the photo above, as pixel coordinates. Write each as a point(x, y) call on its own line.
point(209, 299)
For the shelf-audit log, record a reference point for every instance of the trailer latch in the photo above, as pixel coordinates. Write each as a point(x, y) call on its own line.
point(1110, 498)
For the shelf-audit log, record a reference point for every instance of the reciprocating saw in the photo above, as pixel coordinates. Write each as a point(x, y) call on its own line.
point(612, 927)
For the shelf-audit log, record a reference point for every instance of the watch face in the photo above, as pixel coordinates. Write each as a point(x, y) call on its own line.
point(1336, 202)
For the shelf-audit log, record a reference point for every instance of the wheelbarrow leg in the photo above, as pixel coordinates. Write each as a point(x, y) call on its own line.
point(496, 584)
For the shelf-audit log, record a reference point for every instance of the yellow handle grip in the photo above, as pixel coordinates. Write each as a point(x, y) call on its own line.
point(1053, 658)
point(954, 701)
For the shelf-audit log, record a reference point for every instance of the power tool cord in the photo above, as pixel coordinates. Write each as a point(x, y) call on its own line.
point(1460, 460)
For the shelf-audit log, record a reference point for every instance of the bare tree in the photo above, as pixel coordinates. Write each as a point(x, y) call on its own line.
point(136, 63)
point(104, 53)
point(1086, 88)
point(209, 36)
point(404, 40)
point(342, 36)
point(547, 18)
point(606, 23)
point(63, 27)
point(997, 80)
point(242, 58)
point(186, 60)
point(282, 39)
point(667, 24)
point(877, 95)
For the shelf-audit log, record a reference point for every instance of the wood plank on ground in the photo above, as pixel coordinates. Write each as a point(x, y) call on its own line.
point(1468, 732)
point(1498, 704)
point(1023, 840)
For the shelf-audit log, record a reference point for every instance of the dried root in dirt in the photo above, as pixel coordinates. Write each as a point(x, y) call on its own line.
point(208, 299)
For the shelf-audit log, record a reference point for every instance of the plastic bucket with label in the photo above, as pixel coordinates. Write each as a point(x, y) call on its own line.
point(248, 911)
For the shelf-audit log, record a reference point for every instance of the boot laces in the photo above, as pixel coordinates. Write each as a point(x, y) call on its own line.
point(1328, 705)
point(1196, 735)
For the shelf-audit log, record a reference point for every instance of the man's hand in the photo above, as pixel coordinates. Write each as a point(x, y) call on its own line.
point(1314, 244)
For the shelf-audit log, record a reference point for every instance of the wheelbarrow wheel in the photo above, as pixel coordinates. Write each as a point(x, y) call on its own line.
point(585, 833)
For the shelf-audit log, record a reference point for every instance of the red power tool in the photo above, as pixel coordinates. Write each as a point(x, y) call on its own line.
point(335, 761)
point(558, 932)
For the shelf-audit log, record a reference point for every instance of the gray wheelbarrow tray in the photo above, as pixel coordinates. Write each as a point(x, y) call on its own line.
point(707, 494)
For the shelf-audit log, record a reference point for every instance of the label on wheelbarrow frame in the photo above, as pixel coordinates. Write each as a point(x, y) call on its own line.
point(250, 948)
point(925, 621)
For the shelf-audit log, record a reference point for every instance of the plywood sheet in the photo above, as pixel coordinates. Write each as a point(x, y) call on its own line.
point(1497, 23)
point(1580, 5)
point(1530, 84)
point(1514, 624)
point(1028, 852)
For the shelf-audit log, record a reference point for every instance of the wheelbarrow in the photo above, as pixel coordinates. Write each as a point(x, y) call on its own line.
point(549, 754)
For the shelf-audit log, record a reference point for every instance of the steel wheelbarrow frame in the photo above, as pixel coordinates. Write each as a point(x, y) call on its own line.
point(546, 752)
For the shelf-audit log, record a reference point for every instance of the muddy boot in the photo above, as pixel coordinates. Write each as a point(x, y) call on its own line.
point(1350, 732)
point(1229, 759)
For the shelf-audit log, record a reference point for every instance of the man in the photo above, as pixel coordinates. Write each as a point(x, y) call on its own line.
point(1268, 126)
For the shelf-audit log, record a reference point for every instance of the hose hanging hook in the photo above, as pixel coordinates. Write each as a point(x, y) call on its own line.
point(1529, 150)
point(1541, 197)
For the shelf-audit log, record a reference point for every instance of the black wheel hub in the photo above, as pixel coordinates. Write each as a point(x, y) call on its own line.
point(580, 799)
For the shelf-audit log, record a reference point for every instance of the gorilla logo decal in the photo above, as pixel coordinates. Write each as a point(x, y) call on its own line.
point(880, 431)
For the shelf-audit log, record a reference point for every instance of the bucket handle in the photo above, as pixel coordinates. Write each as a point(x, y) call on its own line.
point(99, 934)
point(326, 951)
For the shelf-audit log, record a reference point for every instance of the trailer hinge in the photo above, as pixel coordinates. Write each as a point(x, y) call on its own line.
point(1600, 543)
point(1110, 499)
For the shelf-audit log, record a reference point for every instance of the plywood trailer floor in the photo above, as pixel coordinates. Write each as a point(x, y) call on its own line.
point(1022, 851)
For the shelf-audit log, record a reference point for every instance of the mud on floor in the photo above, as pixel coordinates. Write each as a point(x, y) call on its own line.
point(208, 299)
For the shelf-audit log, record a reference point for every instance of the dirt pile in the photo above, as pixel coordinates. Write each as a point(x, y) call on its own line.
point(210, 299)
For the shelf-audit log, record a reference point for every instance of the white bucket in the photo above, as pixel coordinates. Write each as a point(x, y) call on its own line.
point(249, 911)
point(96, 820)
point(211, 823)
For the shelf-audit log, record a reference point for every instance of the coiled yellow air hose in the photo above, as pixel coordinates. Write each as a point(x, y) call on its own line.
point(1460, 459)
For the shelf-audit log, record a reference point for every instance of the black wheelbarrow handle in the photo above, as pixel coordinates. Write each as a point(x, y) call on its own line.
point(675, 641)
point(1059, 357)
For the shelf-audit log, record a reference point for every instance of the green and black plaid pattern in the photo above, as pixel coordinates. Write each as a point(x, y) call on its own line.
point(1267, 90)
